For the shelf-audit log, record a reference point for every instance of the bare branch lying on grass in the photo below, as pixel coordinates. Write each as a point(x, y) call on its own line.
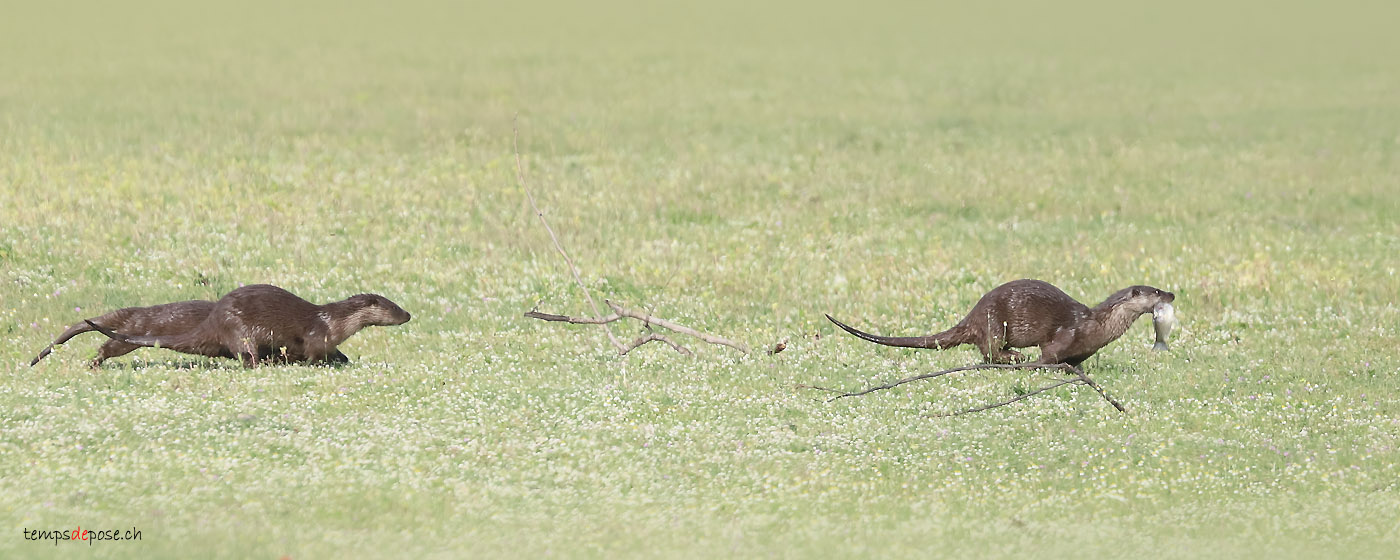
point(650, 320)
point(1097, 387)
point(932, 375)
point(656, 337)
point(619, 311)
point(1080, 378)
point(572, 320)
point(520, 176)
point(1020, 397)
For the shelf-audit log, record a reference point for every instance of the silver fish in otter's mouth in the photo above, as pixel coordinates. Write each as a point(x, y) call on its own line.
point(1163, 319)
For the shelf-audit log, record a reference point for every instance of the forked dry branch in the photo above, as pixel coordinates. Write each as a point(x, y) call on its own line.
point(1079, 377)
point(619, 311)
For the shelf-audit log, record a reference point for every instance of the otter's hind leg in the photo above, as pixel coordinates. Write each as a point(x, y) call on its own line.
point(111, 349)
point(1014, 356)
point(996, 351)
point(1006, 356)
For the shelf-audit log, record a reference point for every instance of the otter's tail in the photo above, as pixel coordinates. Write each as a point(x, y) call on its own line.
point(938, 341)
point(75, 330)
point(180, 343)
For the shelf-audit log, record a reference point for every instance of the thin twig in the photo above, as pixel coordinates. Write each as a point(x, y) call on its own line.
point(1080, 377)
point(598, 318)
point(647, 320)
point(827, 389)
point(572, 320)
point(520, 175)
point(656, 337)
point(650, 320)
point(923, 376)
point(653, 337)
point(1008, 401)
point(1097, 387)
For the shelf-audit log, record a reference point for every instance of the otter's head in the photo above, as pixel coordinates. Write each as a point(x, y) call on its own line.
point(378, 311)
point(1138, 299)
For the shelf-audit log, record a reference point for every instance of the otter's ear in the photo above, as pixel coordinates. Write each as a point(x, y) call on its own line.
point(1136, 292)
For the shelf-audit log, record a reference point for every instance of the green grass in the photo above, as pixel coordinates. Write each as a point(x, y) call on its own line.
point(738, 168)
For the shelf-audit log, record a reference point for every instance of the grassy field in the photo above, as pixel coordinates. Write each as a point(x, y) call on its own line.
point(741, 168)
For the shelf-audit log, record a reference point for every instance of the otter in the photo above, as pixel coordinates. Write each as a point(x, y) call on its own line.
point(155, 320)
point(261, 323)
point(1024, 313)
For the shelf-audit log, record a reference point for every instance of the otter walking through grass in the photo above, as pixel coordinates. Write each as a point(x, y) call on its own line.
point(1025, 313)
point(261, 322)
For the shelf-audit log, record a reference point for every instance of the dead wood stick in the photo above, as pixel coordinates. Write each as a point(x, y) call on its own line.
point(932, 375)
point(1080, 376)
point(572, 320)
point(1008, 401)
point(1097, 387)
point(650, 320)
point(620, 312)
point(819, 388)
point(656, 337)
point(520, 176)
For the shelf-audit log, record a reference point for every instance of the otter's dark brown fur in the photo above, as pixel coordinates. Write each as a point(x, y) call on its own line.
point(156, 320)
point(1024, 313)
point(261, 322)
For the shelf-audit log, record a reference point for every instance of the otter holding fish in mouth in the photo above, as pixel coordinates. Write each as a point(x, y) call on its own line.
point(1024, 313)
